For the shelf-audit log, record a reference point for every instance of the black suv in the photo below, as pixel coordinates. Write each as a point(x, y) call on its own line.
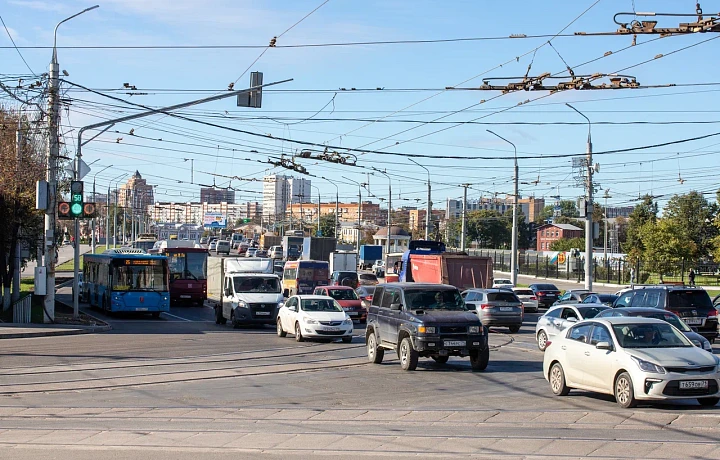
point(692, 304)
point(428, 320)
point(546, 294)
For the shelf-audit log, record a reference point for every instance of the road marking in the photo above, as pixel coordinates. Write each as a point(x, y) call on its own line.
point(178, 317)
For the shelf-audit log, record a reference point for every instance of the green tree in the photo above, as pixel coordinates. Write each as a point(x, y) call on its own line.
point(693, 216)
point(665, 246)
point(645, 212)
point(567, 244)
point(568, 209)
point(327, 226)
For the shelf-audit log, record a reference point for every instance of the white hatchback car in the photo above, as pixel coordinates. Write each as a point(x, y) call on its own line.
point(528, 298)
point(314, 316)
point(502, 283)
point(559, 317)
point(633, 359)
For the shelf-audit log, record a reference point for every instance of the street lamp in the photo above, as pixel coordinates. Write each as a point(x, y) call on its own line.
point(92, 233)
point(117, 182)
point(389, 224)
point(357, 242)
point(337, 201)
point(429, 201)
point(514, 244)
point(588, 208)
point(318, 232)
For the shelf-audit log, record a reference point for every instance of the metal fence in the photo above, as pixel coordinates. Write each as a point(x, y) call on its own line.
point(22, 309)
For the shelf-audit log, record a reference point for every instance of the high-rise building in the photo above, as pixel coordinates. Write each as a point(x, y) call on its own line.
point(530, 207)
point(136, 193)
point(212, 195)
point(279, 191)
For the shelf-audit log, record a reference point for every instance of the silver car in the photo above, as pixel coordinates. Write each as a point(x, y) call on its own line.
point(496, 307)
point(560, 317)
point(528, 298)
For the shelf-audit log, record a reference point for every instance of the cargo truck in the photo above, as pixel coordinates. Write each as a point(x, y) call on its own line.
point(318, 248)
point(268, 241)
point(369, 254)
point(343, 261)
point(292, 247)
point(243, 290)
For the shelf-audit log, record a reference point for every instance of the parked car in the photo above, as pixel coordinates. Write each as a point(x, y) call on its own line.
point(379, 268)
point(502, 283)
point(632, 359)
point(496, 307)
point(572, 296)
point(643, 312)
point(347, 298)
point(424, 320)
point(365, 294)
point(250, 252)
point(560, 317)
point(275, 252)
point(604, 299)
point(546, 293)
point(367, 279)
point(345, 279)
point(222, 246)
point(691, 304)
point(528, 298)
point(312, 316)
point(212, 246)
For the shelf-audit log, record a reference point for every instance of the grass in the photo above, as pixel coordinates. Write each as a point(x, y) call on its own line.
point(70, 264)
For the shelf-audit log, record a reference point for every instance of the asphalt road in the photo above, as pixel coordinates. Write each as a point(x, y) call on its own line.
point(180, 386)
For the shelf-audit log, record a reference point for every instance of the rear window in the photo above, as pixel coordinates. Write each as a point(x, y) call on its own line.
point(546, 287)
point(343, 294)
point(368, 276)
point(502, 297)
point(524, 292)
point(351, 275)
point(699, 300)
point(591, 312)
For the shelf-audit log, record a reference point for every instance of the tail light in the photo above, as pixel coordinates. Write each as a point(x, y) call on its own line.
point(547, 344)
point(533, 298)
point(540, 294)
point(369, 298)
point(712, 313)
point(484, 306)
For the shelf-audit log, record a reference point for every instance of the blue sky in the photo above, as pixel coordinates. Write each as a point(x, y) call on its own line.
point(420, 70)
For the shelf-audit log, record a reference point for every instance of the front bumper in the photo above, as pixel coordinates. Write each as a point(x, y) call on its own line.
point(315, 331)
point(247, 316)
point(502, 321)
point(667, 386)
point(427, 343)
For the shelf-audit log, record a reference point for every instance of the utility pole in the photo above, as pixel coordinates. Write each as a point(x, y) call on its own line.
point(357, 242)
point(464, 214)
point(337, 204)
point(192, 169)
point(605, 245)
point(92, 228)
point(514, 243)
point(318, 210)
point(429, 201)
point(18, 251)
point(588, 207)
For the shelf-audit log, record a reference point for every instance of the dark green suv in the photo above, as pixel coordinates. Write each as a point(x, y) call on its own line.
point(424, 320)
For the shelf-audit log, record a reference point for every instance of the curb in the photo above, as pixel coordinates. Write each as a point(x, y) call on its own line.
point(102, 324)
point(38, 331)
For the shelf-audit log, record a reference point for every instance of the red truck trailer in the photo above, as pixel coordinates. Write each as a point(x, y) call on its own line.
point(459, 270)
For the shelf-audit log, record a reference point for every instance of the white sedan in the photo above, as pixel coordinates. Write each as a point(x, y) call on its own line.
point(633, 359)
point(314, 316)
point(559, 317)
point(502, 283)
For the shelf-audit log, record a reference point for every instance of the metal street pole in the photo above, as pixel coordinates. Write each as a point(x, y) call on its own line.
point(464, 214)
point(429, 200)
point(588, 208)
point(337, 204)
point(605, 245)
point(389, 224)
point(117, 182)
point(514, 243)
point(318, 211)
point(357, 242)
point(93, 220)
point(192, 169)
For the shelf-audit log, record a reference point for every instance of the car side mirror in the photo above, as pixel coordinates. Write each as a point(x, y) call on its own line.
point(604, 346)
point(396, 306)
point(571, 319)
point(228, 292)
point(293, 308)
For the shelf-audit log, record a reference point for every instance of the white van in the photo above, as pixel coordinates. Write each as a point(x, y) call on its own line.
point(236, 239)
point(275, 252)
point(222, 246)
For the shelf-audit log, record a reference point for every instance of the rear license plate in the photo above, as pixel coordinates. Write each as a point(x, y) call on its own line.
point(454, 343)
point(352, 313)
point(262, 313)
point(693, 321)
point(184, 296)
point(506, 308)
point(332, 329)
point(693, 384)
point(141, 309)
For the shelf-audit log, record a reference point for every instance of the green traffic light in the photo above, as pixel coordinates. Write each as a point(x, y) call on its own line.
point(76, 209)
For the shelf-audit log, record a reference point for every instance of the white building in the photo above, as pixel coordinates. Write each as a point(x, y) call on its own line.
point(193, 213)
point(279, 191)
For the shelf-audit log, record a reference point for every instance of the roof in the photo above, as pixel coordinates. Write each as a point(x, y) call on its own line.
point(629, 320)
point(394, 231)
point(417, 286)
point(560, 226)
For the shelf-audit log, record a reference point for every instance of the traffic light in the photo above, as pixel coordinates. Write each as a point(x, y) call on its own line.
point(89, 210)
point(64, 210)
point(76, 199)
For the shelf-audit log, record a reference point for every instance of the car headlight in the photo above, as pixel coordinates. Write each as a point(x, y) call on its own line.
point(310, 321)
point(647, 366)
point(707, 346)
point(242, 304)
point(426, 329)
point(474, 330)
point(347, 321)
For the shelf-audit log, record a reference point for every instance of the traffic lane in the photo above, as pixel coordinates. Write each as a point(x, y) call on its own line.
point(562, 284)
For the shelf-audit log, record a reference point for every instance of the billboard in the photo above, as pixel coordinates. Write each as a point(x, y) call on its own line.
point(214, 220)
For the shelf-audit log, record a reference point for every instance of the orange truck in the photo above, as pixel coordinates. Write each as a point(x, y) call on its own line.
point(459, 270)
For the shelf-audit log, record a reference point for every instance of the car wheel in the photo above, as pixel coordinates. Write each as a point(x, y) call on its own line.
point(441, 359)
point(347, 339)
point(280, 331)
point(542, 340)
point(708, 402)
point(375, 353)
point(624, 391)
point(408, 355)
point(234, 323)
point(557, 380)
point(479, 359)
point(298, 333)
point(514, 329)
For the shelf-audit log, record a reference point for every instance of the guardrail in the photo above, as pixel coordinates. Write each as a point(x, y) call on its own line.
point(22, 309)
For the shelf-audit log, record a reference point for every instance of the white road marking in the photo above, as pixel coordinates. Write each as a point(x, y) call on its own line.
point(178, 317)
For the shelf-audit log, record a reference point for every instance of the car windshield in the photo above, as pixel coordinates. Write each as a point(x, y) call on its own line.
point(606, 297)
point(524, 292)
point(546, 287)
point(139, 278)
point(502, 281)
point(667, 317)
point(320, 305)
point(502, 297)
point(366, 290)
point(256, 284)
point(590, 312)
point(342, 294)
point(646, 335)
point(434, 299)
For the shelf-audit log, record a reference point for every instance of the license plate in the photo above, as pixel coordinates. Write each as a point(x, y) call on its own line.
point(262, 313)
point(454, 343)
point(332, 329)
point(184, 296)
point(352, 313)
point(506, 308)
point(693, 384)
point(141, 309)
point(693, 321)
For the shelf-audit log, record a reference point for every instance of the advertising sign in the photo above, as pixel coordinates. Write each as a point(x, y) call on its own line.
point(214, 220)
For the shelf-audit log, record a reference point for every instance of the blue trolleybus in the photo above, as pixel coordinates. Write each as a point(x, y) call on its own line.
point(126, 280)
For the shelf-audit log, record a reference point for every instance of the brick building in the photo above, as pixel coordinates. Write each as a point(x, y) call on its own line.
point(549, 233)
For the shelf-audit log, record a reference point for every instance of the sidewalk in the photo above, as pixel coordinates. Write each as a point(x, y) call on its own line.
point(23, 331)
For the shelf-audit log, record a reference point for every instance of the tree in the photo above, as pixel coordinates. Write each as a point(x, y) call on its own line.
point(645, 212)
point(693, 216)
point(567, 244)
point(567, 209)
point(327, 226)
point(20, 167)
point(665, 246)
